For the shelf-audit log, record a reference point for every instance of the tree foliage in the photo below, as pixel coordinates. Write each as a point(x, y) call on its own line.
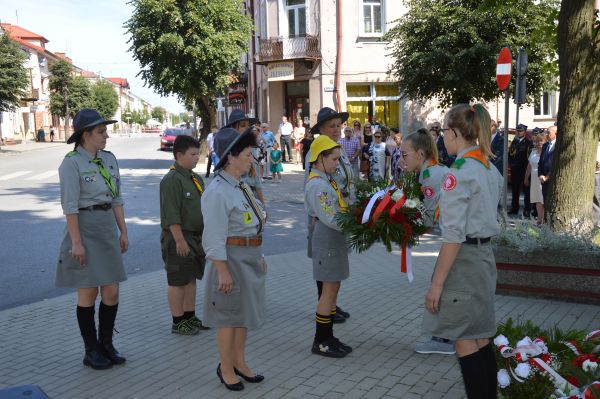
point(159, 113)
point(104, 98)
point(14, 78)
point(448, 48)
point(188, 48)
point(63, 85)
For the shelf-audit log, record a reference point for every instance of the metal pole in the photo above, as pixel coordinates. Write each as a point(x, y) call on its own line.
point(505, 155)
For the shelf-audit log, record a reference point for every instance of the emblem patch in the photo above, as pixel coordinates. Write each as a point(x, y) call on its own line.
point(247, 217)
point(89, 179)
point(449, 182)
point(428, 191)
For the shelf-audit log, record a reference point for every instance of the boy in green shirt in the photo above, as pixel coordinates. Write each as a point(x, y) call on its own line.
point(181, 237)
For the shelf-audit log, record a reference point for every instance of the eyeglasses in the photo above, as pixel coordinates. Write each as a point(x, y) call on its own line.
point(377, 137)
point(357, 125)
point(435, 128)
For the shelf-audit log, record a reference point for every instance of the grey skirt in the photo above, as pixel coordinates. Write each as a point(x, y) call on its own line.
point(104, 263)
point(245, 305)
point(466, 309)
point(329, 254)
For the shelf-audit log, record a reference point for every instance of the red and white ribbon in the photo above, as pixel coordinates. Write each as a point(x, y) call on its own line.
point(367, 213)
point(559, 381)
point(592, 335)
point(406, 263)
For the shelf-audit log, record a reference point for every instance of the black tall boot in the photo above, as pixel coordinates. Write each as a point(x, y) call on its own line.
point(488, 359)
point(474, 376)
point(106, 325)
point(87, 326)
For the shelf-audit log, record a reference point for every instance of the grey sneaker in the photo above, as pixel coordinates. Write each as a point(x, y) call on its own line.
point(436, 346)
point(184, 327)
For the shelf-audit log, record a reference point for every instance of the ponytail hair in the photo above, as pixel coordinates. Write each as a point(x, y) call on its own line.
point(474, 123)
point(422, 140)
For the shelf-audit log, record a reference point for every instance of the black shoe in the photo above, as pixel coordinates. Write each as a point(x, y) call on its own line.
point(338, 318)
point(512, 212)
point(94, 359)
point(256, 378)
point(527, 214)
point(109, 352)
point(206, 176)
point(339, 310)
point(341, 345)
point(327, 349)
point(238, 386)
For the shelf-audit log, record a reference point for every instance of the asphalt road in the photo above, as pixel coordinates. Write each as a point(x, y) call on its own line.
point(32, 224)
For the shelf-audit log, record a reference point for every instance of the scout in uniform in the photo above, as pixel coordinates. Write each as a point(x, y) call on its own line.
point(329, 123)
point(91, 251)
point(239, 121)
point(234, 294)
point(323, 199)
point(181, 237)
point(460, 301)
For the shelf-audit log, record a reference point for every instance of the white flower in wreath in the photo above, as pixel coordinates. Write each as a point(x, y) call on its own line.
point(589, 366)
point(500, 340)
point(523, 370)
point(503, 378)
point(397, 195)
point(411, 203)
point(524, 342)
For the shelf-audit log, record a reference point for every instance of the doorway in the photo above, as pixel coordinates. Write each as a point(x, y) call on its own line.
point(297, 102)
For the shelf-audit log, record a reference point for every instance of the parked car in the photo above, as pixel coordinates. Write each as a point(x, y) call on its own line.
point(168, 137)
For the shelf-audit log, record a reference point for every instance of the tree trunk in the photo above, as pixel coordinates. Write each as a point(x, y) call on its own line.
point(573, 164)
point(208, 115)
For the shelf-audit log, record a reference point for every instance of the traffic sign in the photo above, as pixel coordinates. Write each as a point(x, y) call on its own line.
point(504, 68)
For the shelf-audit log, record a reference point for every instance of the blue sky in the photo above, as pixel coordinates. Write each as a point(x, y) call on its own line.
point(91, 33)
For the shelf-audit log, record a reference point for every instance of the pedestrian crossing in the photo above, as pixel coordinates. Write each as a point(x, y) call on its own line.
point(52, 175)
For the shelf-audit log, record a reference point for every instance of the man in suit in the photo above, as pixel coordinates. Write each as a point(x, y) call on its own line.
point(497, 148)
point(545, 163)
point(518, 159)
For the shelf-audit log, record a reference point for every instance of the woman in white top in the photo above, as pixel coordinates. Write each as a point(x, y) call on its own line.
point(536, 196)
point(298, 136)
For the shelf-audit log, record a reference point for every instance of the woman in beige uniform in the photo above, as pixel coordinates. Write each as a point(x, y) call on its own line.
point(460, 301)
point(234, 293)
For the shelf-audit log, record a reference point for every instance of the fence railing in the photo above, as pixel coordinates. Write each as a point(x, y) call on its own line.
point(289, 48)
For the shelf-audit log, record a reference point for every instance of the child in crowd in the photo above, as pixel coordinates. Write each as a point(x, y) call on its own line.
point(276, 166)
point(181, 237)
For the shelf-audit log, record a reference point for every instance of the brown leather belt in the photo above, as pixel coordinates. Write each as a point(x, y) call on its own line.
point(97, 207)
point(252, 241)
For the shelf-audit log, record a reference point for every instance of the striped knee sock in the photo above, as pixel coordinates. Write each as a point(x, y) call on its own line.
point(324, 329)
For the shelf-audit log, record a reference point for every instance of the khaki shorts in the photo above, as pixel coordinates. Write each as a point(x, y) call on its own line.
point(181, 270)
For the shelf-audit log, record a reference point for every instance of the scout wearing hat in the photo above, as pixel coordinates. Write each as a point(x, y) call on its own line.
point(91, 251)
point(237, 116)
point(518, 159)
point(323, 199)
point(234, 294)
point(343, 176)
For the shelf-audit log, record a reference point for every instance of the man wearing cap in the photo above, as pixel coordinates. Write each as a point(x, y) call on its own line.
point(91, 251)
point(328, 124)
point(518, 159)
point(285, 138)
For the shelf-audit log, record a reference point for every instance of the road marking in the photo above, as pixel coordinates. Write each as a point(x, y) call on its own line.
point(43, 176)
point(14, 174)
point(143, 172)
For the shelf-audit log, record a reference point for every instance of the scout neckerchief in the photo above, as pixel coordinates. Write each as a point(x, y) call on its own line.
point(250, 198)
point(343, 165)
point(110, 183)
point(478, 156)
point(426, 174)
point(194, 180)
point(341, 202)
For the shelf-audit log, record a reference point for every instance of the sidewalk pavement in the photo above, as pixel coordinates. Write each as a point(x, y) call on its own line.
point(29, 146)
point(40, 342)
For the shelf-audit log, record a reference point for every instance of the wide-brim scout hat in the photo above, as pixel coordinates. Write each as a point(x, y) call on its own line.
point(225, 139)
point(326, 114)
point(321, 143)
point(84, 119)
point(238, 115)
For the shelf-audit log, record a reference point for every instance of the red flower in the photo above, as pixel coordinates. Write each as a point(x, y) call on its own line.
point(573, 380)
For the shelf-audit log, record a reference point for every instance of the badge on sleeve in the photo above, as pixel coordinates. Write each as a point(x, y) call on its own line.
point(449, 182)
point(428, 192)
point(247, 217)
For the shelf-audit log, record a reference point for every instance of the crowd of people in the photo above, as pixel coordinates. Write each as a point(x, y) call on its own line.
point(214, 232)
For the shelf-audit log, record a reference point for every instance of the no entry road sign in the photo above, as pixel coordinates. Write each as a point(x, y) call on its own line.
point(504, 68)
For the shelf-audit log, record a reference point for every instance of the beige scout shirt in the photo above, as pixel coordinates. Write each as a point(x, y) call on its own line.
point(469, 200)
point(82, 185)
point(226, 212)
point(431, 178)
point(321, 200)
point(343, 176)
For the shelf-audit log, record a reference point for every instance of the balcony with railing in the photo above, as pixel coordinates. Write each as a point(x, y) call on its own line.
point(288, 48)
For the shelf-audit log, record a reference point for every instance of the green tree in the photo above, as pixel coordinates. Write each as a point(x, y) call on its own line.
point(158, 113)
point(185, 117)
point(104, 98)
point(448, 48)
point(14, 78)
point(188, 48)
point(60, 79)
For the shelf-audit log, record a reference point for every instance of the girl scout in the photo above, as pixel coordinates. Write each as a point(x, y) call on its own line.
point(419, 153)
point(323, 198)
point(329, 124)
point(460, 301)
point(234, 294)
point(90, 253)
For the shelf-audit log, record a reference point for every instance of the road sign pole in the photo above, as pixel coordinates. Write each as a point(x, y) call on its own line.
point(505, 155)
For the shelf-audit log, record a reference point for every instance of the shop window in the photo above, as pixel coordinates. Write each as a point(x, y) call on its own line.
point(358, 90)
point(374, 102)
point(372, 17)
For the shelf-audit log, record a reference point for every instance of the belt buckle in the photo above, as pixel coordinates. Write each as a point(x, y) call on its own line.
point(247, 240)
